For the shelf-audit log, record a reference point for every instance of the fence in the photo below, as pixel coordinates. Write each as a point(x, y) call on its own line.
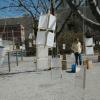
point(16, 61)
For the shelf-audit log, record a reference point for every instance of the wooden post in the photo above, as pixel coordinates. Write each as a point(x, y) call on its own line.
point(64, 65)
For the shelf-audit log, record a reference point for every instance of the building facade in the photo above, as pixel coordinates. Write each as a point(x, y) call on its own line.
point(16, 29)
point(13, 33)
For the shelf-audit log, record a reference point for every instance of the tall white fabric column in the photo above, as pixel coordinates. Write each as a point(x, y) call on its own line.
point(41, 50)
point(89, 46)
point(42, 57)
point(45, 39)
point(1, 42)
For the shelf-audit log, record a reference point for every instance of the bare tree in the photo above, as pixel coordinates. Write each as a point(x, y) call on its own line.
point(33, 8)
point(81, 15)
point(36, 7)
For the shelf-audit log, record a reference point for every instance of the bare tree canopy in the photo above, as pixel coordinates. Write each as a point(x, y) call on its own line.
point(81, 15)
point(32, 7)
point(36, 7)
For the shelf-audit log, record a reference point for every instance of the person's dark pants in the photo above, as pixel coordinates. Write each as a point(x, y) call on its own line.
point(78, 58)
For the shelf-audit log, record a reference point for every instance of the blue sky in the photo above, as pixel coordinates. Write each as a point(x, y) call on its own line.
point(7, 12)
point(14, 12)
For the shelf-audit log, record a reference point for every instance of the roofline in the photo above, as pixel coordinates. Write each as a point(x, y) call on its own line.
point(13, 17)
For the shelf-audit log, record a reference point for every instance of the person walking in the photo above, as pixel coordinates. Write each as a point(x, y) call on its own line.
point(77, 49)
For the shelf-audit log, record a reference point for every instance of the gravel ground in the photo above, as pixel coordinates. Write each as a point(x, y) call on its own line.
point(24, 84)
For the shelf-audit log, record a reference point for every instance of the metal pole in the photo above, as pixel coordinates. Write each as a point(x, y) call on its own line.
point(36, 58)
point(16, 58)
point(9, 61)
point(13, 38)
point(84, 30)
point(21, 55)
point(84, 78)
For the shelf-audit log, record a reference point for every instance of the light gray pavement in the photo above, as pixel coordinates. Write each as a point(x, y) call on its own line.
point(48, 85)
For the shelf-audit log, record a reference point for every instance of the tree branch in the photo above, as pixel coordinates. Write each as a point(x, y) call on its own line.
point(89, 22)
point(58, 5)
point(95, 9)
point(63, 25)
point(21, 3)
point(35, 7)
point(46, 5)
point(43, 6)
